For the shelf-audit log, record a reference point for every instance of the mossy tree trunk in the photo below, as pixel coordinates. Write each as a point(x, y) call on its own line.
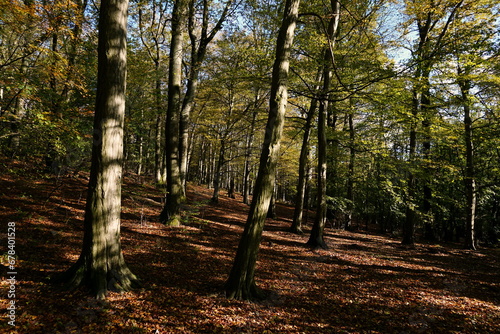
point(101, 265)
point(241, 282)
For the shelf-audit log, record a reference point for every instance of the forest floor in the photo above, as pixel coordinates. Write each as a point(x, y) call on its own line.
point(364, 283)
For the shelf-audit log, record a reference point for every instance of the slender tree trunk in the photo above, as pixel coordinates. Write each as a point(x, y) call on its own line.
point(175, 190)
point(241, 281)
point(271, 212)
point(101, 264)
point(159, 154)
point(296, 226)
point(410, 214)
point(231, 191)
point(470, 176)
point(420, 104)
point(427, 111)
point(218, 171)
point(248, 153)
point(160, 172)
point(350, 178)
point(316, 239)
point(141, 154)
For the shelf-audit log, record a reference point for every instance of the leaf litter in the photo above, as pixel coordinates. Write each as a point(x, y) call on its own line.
point(364, 283)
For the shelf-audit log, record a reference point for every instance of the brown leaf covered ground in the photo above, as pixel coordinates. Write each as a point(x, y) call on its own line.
point(365, 282)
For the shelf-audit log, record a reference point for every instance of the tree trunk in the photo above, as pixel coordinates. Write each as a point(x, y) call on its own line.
point(175, 191)
point(350, 177)
point(218, 171)
point(316, 239)
point(160, 175)
point(420, 105)
point(426, 109)
point(470, 176)
point(231, 186)
point(241, 282)
point(101, 264)
point(271, 211)
point(160, 168)
point(410, 214)
point(296, 226)
point(248, 153)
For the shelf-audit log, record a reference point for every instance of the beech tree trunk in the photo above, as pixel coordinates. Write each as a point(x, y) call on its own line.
point(101, 265)
point(271, 211)
point(160, 172)
point(248, 153)
point(298, 212)
point(175, 189)
point(316, 239)
point(410, 213)
point(470, 177)
point(241, 282)
point(218, 170)
point(350, 177)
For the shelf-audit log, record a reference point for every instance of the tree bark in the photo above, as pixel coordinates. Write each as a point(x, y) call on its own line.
point(241, 282)
point(175, 191)
point(101, 265)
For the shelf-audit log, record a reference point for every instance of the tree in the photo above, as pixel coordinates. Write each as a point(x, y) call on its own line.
point(470, 176)
point(152, 20)
point(241, 282)
point(473, 56)
point(300, 197)
point(316, 238)
point(175, 194)
point(199, 46)
point(433, 23)
point(101, 264)
point(38, 74)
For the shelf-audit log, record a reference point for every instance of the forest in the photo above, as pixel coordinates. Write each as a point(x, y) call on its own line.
point(242, 166)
